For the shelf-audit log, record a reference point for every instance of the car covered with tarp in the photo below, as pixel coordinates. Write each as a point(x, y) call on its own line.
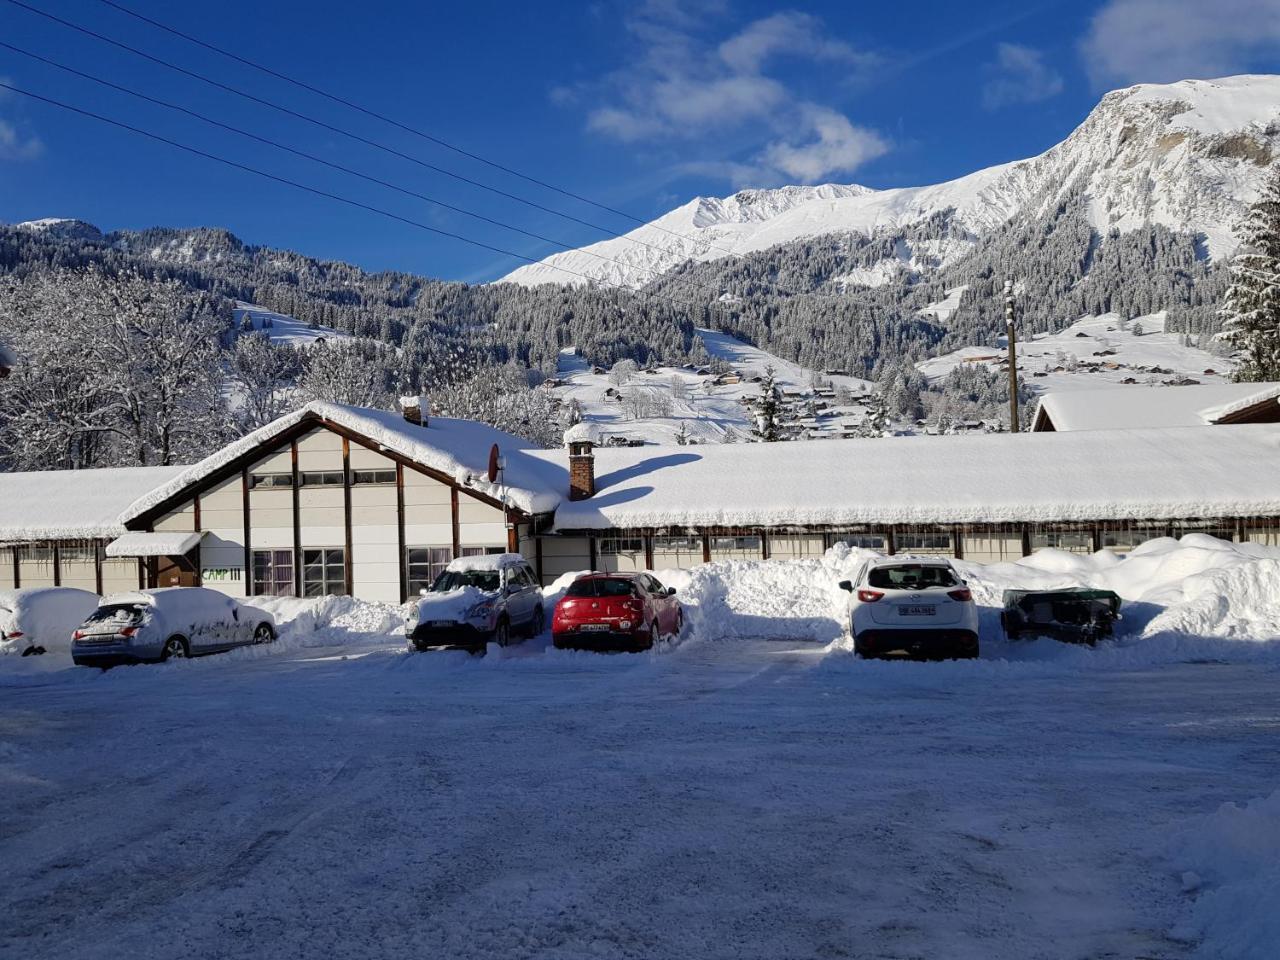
point(1072, 615)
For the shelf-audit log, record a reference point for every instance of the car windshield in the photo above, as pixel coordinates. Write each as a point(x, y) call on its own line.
point(600, 587)
point(911, 576)
point(121, 612)
point(487, 580)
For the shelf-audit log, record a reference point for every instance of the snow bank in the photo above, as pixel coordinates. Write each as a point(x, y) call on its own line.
point(1231, 859)
point(329, 622)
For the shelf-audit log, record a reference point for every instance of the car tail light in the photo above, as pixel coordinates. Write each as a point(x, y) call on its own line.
point(10, 636)
point(869, 596)
point(963, 594)
point(78, 635)
point(128, 631)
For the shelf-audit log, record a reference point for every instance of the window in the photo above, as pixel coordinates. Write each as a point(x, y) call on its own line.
point(677, 545)
point(425, 565)
point(324, 572)
point(1072, 541)
point(1126, 538)
point(749, 545)
point(273, 573)
point(482, 551)
point(373, 476)
point(864, 541)
point(323, 478)
point(923, 543)
point(612, 546)
point(913, 576)
point(29, 553)
point(260, 481)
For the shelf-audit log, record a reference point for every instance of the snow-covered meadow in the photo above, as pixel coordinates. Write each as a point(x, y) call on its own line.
point(751, 790)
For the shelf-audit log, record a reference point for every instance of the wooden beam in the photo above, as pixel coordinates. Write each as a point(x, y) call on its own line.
point(199, 571)
point(400, 544)
point(537, 556)
point(97, 566)
point(248, 546)
point(592, 556)
point(706, 547)
point(57, 564)
point(457, 526)
point(648, 552)
point(17, 567)
point(346, 513)
point(297, 520)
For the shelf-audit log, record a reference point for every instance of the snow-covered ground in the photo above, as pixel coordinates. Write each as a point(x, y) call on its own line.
point(1076, 348)
point(752, 791)
point(282, 328)
point(708, 412)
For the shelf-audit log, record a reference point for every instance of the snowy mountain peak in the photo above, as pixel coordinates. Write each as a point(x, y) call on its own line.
point(62, 227)
point(1188, 155)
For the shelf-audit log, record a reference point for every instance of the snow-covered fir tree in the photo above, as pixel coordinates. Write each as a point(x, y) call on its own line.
point(766, 410)
point(1251, 308)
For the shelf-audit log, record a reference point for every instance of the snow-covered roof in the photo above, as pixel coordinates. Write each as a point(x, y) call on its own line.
point(72, 504)
point(169, 543)
point(459, 448)
point(1170, 473)
point(1124, 407)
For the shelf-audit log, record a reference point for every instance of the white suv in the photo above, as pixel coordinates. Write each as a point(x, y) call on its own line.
point(915, 606)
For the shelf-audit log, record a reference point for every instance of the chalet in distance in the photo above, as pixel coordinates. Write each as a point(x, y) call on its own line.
point(334, 499)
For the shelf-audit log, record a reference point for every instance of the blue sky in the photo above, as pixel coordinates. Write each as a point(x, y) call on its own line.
point(640, 105)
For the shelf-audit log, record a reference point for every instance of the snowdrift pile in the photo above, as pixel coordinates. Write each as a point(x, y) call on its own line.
point(1231, 860)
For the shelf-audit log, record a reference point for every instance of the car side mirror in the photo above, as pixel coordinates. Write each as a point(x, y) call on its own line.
point(846, 586)
point(671, 591)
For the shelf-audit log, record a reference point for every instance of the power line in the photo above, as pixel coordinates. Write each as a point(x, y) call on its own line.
point(327, 126)
point(317, 191)
point(301, 153)
point(335, 98)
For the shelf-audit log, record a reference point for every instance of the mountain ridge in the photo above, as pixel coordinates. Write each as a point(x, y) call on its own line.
point(1188, 156)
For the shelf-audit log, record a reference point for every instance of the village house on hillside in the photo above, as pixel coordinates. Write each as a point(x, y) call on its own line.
point(334, 499)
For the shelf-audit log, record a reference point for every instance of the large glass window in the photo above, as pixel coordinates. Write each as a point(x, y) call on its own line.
point(425, 565)
point(865, 541)
point(1126, 538)
point(1072, 541)
point(264, 481)
point(324, 572)
point(324, 478)
point(273, 573)
point(612, 546)
point(933, 543)
point(482, 551)
point(373, 476)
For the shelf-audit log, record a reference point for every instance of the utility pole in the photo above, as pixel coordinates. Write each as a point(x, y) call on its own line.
point(1013, 356)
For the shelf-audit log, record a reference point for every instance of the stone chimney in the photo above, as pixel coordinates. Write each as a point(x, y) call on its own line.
point(582, 470)
point(415, 410)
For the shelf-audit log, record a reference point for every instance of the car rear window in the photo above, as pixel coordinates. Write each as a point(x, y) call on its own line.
point(600, 587)
point(124, 612)
point(911, 576)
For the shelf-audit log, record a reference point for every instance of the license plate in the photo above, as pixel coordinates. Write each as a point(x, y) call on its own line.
point(594, 627)
point(442, 623)
point(918, 610)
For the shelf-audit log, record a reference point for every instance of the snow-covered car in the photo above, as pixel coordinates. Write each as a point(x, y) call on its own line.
point(148, 626)
point(913, 606)
point(37, 619)
point(475, 600)
point(616, 611)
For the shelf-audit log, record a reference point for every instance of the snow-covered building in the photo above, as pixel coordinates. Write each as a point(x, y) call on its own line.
point(338, 499)
point(1133, 407)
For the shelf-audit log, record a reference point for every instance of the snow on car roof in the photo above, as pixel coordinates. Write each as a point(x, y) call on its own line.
point(72, 504)
point(459, 448)
point(491, 561)
point(1125, 407)
point(1224, 471)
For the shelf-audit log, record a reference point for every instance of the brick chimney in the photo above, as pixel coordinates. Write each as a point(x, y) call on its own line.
point(582, 470)
point(415, 410)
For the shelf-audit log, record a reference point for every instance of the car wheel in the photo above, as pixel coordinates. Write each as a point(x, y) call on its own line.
point(264, 633)
point(503, 633)
point(174, 648)
point(538, 622)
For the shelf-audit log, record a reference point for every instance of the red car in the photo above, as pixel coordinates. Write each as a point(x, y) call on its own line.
point(615, 611)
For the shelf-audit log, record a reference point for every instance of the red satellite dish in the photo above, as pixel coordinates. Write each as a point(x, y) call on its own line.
point(494, 465)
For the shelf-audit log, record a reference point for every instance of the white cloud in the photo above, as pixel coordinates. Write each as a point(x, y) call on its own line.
point(684, 86)
point(1019, 75)
point(14, 146)
point(836, 146)
point(1159, 41)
